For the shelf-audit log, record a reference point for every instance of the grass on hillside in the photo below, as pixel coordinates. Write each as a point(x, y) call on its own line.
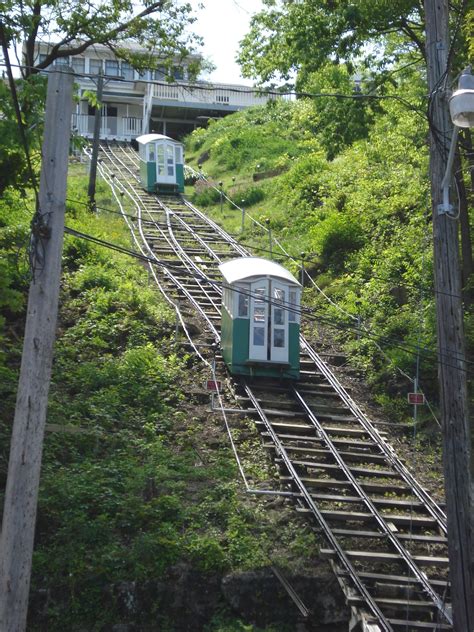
point(143, 478)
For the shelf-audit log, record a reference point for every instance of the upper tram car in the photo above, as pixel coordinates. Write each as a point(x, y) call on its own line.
point(260, 318)
point(161, 163)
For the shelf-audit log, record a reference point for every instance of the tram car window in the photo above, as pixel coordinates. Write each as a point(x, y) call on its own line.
point(161, 164)
point(260, 318)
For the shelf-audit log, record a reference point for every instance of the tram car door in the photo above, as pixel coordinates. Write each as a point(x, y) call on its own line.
point(268, 322)
point(260, 318)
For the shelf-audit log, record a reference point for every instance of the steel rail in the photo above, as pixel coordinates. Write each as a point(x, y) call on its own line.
point(186, 259)
point(175, 306)
point(436, 512)
point(376, 439)
point(194, 234)
point(171, 275)
point(381, 521)
point(132, 174)
point(281, 451)
point(238, 248)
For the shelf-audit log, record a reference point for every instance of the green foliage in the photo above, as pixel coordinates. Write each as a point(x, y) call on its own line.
point(251, 195)
point(207, 554)
point(162, 30)
point(205, 195)
point(225, 622)
point(287, 37)
point(14, 224)
point(336, 237)
point(249, 141)
point(13, 162)
point(338, 121)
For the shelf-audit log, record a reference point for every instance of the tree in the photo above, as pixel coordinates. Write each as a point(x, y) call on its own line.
point(13, 164)
point(158, 29)
point(73, 26)
point(338, 122)
point(300, 37)
point(288, 37)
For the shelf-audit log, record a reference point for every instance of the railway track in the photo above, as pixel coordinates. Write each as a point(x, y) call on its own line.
point(386, 537)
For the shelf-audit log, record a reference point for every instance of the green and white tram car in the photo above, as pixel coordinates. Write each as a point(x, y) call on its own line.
point(260, 326)
point(161, 163)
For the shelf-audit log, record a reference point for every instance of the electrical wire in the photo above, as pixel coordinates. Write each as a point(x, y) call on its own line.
point(307, 312)
point(320, 317)
point(209, 87)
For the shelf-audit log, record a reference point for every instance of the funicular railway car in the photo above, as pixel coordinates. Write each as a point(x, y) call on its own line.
point(260, 318)
point(161, 164)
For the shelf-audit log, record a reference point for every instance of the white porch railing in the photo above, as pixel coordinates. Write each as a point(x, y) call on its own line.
point(219, 94)
point(120, 127)
point(132, 126)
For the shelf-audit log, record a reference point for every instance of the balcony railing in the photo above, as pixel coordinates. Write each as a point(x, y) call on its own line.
point(232, 96)
point(120, 127)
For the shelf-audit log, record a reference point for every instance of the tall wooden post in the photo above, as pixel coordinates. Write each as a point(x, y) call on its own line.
point(95, 143)
point(451, 355)
point(19, 515)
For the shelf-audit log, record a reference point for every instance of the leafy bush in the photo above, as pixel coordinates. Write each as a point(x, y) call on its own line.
point(205, 194)
point(251, 195)
point(337, 237)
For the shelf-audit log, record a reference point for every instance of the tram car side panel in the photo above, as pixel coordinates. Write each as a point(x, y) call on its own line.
point(234, 334)
point(161, 164)
point(180, 176)
point(260, 321)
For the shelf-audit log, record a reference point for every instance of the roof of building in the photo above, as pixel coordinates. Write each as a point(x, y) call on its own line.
point(148, 138)
point(248, 267)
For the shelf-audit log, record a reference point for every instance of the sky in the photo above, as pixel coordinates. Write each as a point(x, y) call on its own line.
point(222, 24)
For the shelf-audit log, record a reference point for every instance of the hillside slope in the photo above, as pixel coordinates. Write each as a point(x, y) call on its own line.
point(142, 522)
point(361, 219)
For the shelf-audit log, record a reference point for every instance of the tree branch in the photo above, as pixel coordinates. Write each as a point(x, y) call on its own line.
point(58, 51)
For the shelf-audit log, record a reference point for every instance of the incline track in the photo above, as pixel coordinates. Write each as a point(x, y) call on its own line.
point(386, 536)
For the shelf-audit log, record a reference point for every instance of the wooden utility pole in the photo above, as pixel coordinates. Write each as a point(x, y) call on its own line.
point(449, 312)
point(95, 143)
point(21, 496)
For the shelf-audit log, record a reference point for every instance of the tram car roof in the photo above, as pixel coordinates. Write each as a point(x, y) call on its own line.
point(254, 267)
point(148, 138)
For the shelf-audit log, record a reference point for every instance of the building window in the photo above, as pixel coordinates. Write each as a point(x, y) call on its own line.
point(95, 66)
point(78, 64)
point(61, 61)
point(243, 301)
point(159, 74)
point(222, 99)
point(127, 71)
point(178, 73)
point(111, 68)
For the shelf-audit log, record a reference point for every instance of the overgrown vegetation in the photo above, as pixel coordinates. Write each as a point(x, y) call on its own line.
point(134, 482)
point(359, 209)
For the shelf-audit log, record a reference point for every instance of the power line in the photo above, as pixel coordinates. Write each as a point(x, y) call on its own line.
point(209, 87)
point(307, 312)
point(279, 255)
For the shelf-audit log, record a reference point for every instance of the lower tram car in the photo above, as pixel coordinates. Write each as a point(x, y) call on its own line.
point(260, 318)
point(161, 163)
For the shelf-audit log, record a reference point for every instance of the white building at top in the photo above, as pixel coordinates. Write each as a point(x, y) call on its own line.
point(135, 102)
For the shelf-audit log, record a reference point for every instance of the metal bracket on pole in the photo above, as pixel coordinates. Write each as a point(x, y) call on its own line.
point(446, 207)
